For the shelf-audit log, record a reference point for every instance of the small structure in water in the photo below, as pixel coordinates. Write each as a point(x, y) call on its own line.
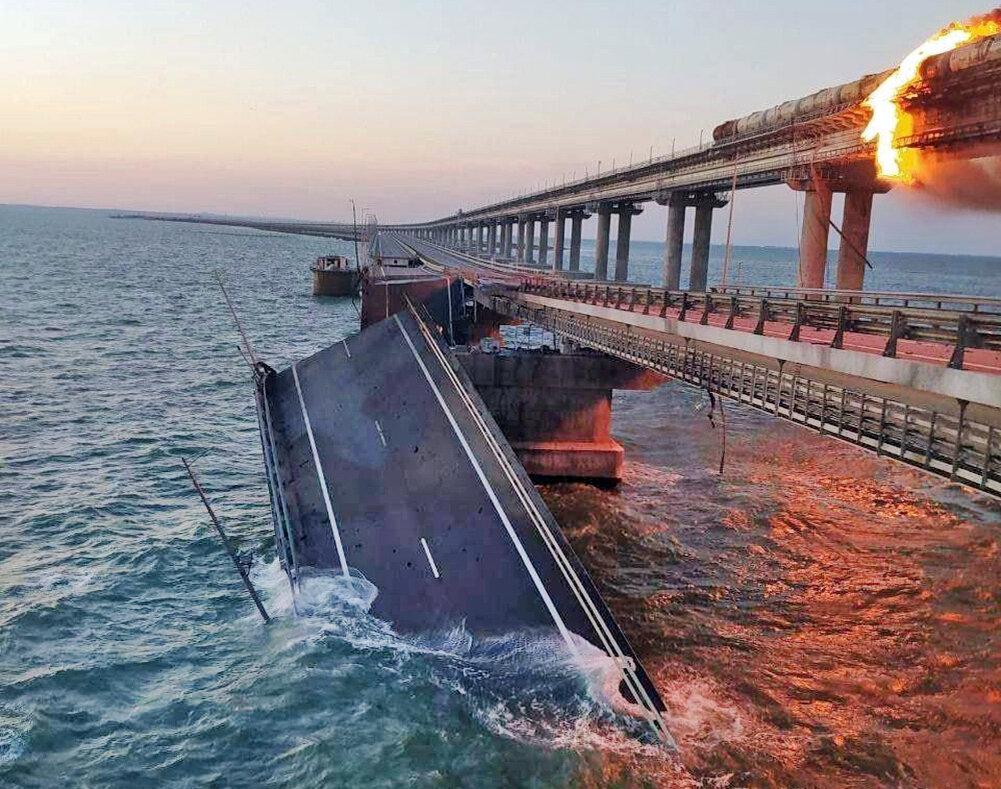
point(334, 275)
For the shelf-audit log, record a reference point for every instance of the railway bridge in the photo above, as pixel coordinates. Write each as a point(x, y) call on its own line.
point(812, 144)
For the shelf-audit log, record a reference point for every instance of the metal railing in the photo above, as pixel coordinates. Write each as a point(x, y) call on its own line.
point(976, 326)
point(948, 445)
point(937, 301)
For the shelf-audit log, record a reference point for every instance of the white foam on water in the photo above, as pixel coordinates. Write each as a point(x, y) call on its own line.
point(526, 685)
point(14, 728)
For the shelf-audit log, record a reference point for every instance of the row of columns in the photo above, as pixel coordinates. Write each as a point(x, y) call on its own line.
point(497, 237)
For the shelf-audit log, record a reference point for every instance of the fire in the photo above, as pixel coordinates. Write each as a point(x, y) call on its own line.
point(887, 114)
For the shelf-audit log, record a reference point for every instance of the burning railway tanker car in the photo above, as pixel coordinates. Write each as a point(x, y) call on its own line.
point(844, 102)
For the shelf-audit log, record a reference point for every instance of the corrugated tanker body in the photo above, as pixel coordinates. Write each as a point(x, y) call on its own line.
point(825, 108)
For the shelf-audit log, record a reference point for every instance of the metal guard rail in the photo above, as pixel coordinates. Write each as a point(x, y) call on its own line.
point(958, 329)
point(950, 446)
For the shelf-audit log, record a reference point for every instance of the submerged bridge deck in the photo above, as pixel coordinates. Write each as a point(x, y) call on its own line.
point(383, 461)
point(910, 376)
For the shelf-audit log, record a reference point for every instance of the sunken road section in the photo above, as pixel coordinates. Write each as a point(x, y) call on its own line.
point(384, 462)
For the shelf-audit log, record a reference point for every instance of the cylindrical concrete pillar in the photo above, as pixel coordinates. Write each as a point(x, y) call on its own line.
point(521, 239)
point(813, 241)
point(478, 246)
point(854, 247)
point(491, 240)
point(622, 235)
point(508, 238)
point(576, 223)
point(674, 243)
point(699, 274)
point(559, 230)
point(529, 240)
point(544, 241)
point(601, 243)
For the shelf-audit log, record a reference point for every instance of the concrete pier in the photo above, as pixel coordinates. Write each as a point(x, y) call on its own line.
point(492, 240)
point(559, 231)
point(529, 239)
point(623, 233)
point(521, 238)
point(556, 409)
point(813, 241)
point(855, 239)
point(508, 238)
point(576, 222)
point(601, 242)
point(544, 240)
point(674, 243)
point(699, 274)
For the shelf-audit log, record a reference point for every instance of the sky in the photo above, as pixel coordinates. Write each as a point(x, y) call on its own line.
point(416, 109)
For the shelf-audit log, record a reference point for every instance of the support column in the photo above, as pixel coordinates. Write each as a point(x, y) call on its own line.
point(544, 240)
point(601, 242)
point(478, 246)
point(813, 241)
point(559, 230)
point(854, 247)
point(492, 240)
point(674, 243)
point(699, 274)
point(521, 238)
point(576, 223)
point(622, 235)
point(508, 238)
point(530, 239)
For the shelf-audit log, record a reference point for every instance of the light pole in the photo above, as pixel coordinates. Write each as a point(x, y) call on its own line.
point(354, 225)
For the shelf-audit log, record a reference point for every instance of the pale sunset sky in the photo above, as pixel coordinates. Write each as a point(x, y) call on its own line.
point(416, 109)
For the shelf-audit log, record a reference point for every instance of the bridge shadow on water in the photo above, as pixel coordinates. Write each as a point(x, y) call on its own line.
point(818, 617)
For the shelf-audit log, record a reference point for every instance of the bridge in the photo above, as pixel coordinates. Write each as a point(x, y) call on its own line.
point(361, 437)
point(914, 377)
point(812, 144)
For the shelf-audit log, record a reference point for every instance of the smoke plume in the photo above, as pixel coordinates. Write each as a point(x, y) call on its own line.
point(964, 183)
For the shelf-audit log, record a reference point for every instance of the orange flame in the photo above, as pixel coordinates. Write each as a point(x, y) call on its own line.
point(884, 101)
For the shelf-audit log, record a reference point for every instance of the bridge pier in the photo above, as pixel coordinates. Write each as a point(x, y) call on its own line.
point(626, 212)
point(492, 240)
point(814, 236)
point(529, 239)
point(521, 238)
point(855, 224)
point(508, 238)
point(601, 242)
point(544, 240)
point(559, 233)
point(556, 409)
point(698, 276)
point(577, 217)
point(674, 243)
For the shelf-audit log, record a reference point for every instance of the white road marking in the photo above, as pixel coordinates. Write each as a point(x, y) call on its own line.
point(611, 645)
point(382, 437)
point(346, 349)
point(427, 552)
point(320, 476)
point(543, 592)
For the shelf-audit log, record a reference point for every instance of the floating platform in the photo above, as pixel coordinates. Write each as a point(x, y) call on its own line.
point(383, 462)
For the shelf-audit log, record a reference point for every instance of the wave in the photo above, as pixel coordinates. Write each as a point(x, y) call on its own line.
point(528, 684)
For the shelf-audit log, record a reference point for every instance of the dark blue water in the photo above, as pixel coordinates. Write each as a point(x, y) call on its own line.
point(968, 275)
point(818, 617)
